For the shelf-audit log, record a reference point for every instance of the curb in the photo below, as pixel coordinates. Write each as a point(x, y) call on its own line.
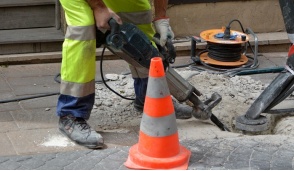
point(182, 46)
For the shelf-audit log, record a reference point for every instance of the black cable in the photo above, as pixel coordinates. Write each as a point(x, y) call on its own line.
point(242, 31)
point(56, 78)
point(224, 52)
point(27, 98)
point(238, 22)
point(221, 70)
point(101, 72)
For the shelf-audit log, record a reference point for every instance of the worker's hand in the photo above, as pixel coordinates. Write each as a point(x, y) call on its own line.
point(163, 28)
point(102, 16)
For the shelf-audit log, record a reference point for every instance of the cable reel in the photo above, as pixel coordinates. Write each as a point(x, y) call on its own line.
point(224, 51)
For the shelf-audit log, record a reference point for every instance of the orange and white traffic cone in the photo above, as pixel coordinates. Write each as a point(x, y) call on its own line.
point(291, 51)
point(158, 146)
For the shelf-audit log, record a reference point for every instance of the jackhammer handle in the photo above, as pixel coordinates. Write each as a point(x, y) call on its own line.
point(171, 49)
point(156, 39)
point(114, 26)
point(168, 50)
point(114, 39)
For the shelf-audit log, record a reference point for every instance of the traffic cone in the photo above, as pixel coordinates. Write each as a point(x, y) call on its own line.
point(291, 51)
point(158, 146)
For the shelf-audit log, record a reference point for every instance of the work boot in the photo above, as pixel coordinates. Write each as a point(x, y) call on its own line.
point(182, 111)
point(138, 105)
point(79, 131)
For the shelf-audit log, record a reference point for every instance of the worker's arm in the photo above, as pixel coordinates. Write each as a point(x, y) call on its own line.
point(161, 21)
point(160, 7)
point(102, 14)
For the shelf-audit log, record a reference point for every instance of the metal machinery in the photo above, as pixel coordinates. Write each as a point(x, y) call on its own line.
point(132, 45)
point(225, 53)
point(279, 89)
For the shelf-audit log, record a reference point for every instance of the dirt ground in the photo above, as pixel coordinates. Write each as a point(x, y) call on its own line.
point(112, 113)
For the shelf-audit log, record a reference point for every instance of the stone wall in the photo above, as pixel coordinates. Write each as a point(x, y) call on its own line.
point(261, 16)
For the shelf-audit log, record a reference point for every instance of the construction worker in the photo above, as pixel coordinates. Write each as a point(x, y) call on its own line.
point(77, 90)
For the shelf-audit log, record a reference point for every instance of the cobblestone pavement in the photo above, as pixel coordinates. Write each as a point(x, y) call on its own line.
point(27, 124)
point(253, 153)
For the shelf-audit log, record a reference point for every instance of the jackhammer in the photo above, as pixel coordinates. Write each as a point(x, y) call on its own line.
point(131, 44)
point(279, 89)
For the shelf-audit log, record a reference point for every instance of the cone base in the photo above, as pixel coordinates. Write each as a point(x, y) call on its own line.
point(137, 160)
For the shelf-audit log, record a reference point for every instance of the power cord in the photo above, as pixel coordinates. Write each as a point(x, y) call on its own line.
point(103, 80)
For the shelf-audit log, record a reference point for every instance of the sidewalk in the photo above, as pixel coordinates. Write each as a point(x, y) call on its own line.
point(28, 125)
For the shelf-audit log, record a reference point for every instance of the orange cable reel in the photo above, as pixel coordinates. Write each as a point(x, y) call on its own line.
point(215, 38)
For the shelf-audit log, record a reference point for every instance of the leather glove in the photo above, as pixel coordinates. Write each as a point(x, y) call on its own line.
point(163, 28)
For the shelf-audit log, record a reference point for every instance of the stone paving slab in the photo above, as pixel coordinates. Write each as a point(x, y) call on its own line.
point(278, 59)
point(27, 124)
point(250, 153)
point(6, 146)
point(9, 106)
point(6, 117)
point(35, 90)
point(35, 119)
point(8, 126)
point(7, 95)
point(20, 71)
point(4, 87)
point(32, 80)
point(30, 141)
point(43, 103)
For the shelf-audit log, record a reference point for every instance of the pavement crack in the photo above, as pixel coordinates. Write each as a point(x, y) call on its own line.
point(4, 161)
point(231, 153)
point(272, 156)
point(24, 159)
point(17, 167)
point(10, 138)
point(111, 154)
point(98, 162)
point(77, 159)
point(121, 166)
point(44, 162)
point(250, 158)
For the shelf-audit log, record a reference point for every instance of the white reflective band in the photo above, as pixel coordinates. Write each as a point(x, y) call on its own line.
point(289, 69)
point(77, 89)
point(157, 87)
point(159, 127)
point(143, 17)
point(81, 32)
